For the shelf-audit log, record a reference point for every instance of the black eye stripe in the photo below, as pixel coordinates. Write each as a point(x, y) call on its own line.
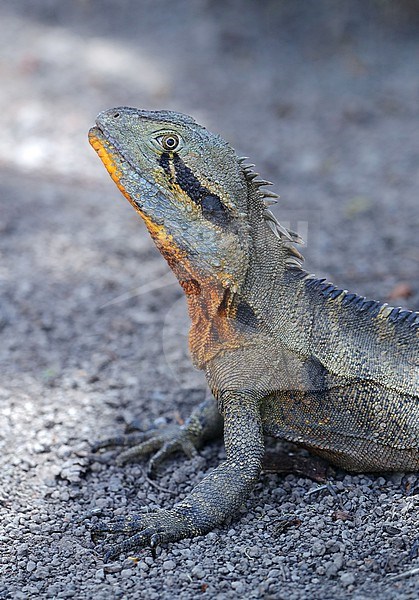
point(214, 210)
point(188, 182)
point(164, 162)
point(212, 207)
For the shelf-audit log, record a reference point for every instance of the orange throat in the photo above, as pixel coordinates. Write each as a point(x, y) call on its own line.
point(212, 329)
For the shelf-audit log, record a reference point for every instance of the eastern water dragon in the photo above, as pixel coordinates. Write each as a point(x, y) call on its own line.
point(285, 354)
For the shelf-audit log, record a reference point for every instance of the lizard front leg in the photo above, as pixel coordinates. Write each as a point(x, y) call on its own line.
point(218, 496)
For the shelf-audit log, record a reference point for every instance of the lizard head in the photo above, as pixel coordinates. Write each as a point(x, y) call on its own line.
point(188, 186)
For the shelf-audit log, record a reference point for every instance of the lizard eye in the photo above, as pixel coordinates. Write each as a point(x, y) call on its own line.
point(169, 141)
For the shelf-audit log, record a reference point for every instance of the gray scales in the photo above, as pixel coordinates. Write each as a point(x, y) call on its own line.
point(284, 353)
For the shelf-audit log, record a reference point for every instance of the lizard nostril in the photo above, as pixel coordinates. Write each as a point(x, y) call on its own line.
point(116, 115)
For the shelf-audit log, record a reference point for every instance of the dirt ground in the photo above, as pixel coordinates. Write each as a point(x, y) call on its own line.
point(324, 98)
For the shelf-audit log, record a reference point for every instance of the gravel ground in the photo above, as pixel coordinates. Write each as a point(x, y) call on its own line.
point(323, 97)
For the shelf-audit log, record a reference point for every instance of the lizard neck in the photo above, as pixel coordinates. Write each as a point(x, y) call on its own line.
point(268, 257)
point(216, 309)
point(210, 329)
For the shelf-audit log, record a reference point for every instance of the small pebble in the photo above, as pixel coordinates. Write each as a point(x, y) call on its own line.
point(30, 566)
point(347, 579)
point(169, 565)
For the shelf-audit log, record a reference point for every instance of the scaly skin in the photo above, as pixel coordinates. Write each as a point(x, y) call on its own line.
point(284, 353)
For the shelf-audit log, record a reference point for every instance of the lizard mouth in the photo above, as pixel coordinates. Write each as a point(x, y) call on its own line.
point(111, 158)
point(116, 163)
point(106, 150)
point(114, 160)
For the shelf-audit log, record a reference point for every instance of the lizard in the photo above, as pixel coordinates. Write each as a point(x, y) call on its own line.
point(285, 354)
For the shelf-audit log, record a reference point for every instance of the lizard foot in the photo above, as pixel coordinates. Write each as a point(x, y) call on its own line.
point(163, 442)
point(148, 530)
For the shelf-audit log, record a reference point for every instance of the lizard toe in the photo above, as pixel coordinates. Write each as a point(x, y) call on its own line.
point(131, 439)
point(168, 448)
point(144, 531)
point(127, 524)
point(148, 538)
point(152, 445)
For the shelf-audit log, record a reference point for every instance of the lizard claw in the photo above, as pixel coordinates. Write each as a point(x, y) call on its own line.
point(136, 542)
point(182, 443)
point(149, 530)
point(163, 443)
